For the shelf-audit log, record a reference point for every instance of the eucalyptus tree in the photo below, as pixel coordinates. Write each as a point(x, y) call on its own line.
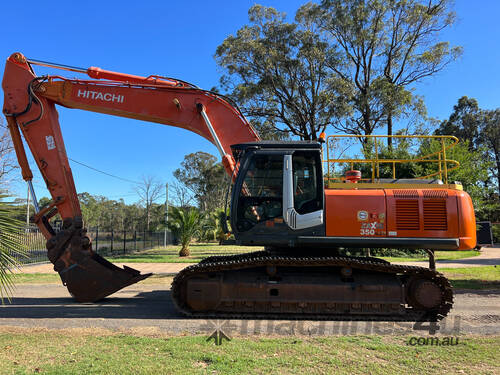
point(204, 177)
point(386, 46)
point(281, 75)
point(490, 138)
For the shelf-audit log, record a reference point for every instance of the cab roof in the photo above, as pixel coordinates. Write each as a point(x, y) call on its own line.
point(276, 144)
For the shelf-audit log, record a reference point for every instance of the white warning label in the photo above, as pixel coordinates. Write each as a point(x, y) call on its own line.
point(50, 142)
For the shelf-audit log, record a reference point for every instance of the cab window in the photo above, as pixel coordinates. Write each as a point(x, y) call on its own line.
point(261, 194)
point(306, 183)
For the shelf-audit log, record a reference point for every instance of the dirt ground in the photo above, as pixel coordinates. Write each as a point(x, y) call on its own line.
point(148, 309)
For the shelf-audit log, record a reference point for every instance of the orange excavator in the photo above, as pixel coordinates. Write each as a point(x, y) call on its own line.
point(282, 199)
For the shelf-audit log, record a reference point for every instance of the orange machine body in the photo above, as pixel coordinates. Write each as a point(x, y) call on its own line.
point(392, 212)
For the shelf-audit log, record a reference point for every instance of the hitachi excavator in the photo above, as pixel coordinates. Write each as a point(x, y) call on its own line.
point(283, 199)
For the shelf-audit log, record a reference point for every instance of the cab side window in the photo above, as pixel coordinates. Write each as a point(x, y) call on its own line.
point(306, 183)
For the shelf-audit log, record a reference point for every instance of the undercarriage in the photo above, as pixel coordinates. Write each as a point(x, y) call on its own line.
point(263, 285)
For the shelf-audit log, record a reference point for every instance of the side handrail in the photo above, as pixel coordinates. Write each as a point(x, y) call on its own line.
point(438, 158)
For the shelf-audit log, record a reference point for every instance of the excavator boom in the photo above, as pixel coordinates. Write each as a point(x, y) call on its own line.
point(29, 106)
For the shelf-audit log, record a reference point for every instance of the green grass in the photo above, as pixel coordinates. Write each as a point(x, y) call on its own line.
point(486, 277)
point(170, 254)
point(36, 278)
point(439, 255)
point(85, 352)
point(53, 278)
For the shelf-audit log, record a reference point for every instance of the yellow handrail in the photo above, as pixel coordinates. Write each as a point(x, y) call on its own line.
point(441, 162)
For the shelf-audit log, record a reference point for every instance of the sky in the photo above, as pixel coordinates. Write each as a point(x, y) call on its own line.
point(179, 39)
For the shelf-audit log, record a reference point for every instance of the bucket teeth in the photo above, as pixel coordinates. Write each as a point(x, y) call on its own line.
point(88, 276)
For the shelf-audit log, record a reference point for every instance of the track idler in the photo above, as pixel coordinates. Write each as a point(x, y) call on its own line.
point(88, 276)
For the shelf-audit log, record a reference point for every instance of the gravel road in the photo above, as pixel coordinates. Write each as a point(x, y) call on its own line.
point(148, 309)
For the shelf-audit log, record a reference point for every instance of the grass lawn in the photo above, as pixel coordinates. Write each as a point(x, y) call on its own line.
point(439, 255)
point(486, 277)
point(53, 278)
point(88, 352)
point(170, 254)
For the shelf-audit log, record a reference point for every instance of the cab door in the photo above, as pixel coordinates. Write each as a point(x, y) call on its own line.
point(258, 201)
point(302, 190)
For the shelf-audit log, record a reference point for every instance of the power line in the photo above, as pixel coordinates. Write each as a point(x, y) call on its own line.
point(106, 196)
point(32, 165)
point(106, 173)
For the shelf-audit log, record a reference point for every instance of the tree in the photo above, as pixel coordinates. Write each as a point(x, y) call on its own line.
point(387, 46)
point(108, 214)
point(185, 224)
point(205, 178)
point(281, 75)
point(134, 215)
point(181, 195)
point(211, 227)
point(11, 246)
point(472, 173)
point(464, 122)
point(7, 157)
point(480, 129)
point(149, 191)
point(489, 136)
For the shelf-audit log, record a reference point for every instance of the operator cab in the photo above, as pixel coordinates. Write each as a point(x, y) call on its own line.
point(278, 193)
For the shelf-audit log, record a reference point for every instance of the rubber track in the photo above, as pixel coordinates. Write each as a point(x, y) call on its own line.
point(263, 258)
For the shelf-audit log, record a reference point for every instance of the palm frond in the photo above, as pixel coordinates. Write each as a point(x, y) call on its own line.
point(11, 247)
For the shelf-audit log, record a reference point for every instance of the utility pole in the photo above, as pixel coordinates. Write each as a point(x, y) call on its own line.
point(166, 215)
point(28, 208)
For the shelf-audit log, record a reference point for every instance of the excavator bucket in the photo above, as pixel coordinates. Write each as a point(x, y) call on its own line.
point(94, 278)
point(88, 276)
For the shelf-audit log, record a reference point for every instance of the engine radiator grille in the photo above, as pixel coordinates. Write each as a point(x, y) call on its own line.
point(435, 215)
point(407, 216)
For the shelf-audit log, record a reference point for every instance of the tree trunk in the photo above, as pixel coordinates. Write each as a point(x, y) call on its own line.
point(147, 216)
point(389, 130)
point(184, 251)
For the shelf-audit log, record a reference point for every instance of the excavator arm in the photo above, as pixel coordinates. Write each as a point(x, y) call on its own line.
point(29, 106)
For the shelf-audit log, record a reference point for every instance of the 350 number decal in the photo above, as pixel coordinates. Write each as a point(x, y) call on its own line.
point(367, 232)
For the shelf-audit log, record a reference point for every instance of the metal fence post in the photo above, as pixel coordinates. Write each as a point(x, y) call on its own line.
point(124, 241)
point(112, 237)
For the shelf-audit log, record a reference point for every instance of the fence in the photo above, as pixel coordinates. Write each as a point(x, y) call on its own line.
point(34, 243)
point(116, 242)
point(105, 243)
